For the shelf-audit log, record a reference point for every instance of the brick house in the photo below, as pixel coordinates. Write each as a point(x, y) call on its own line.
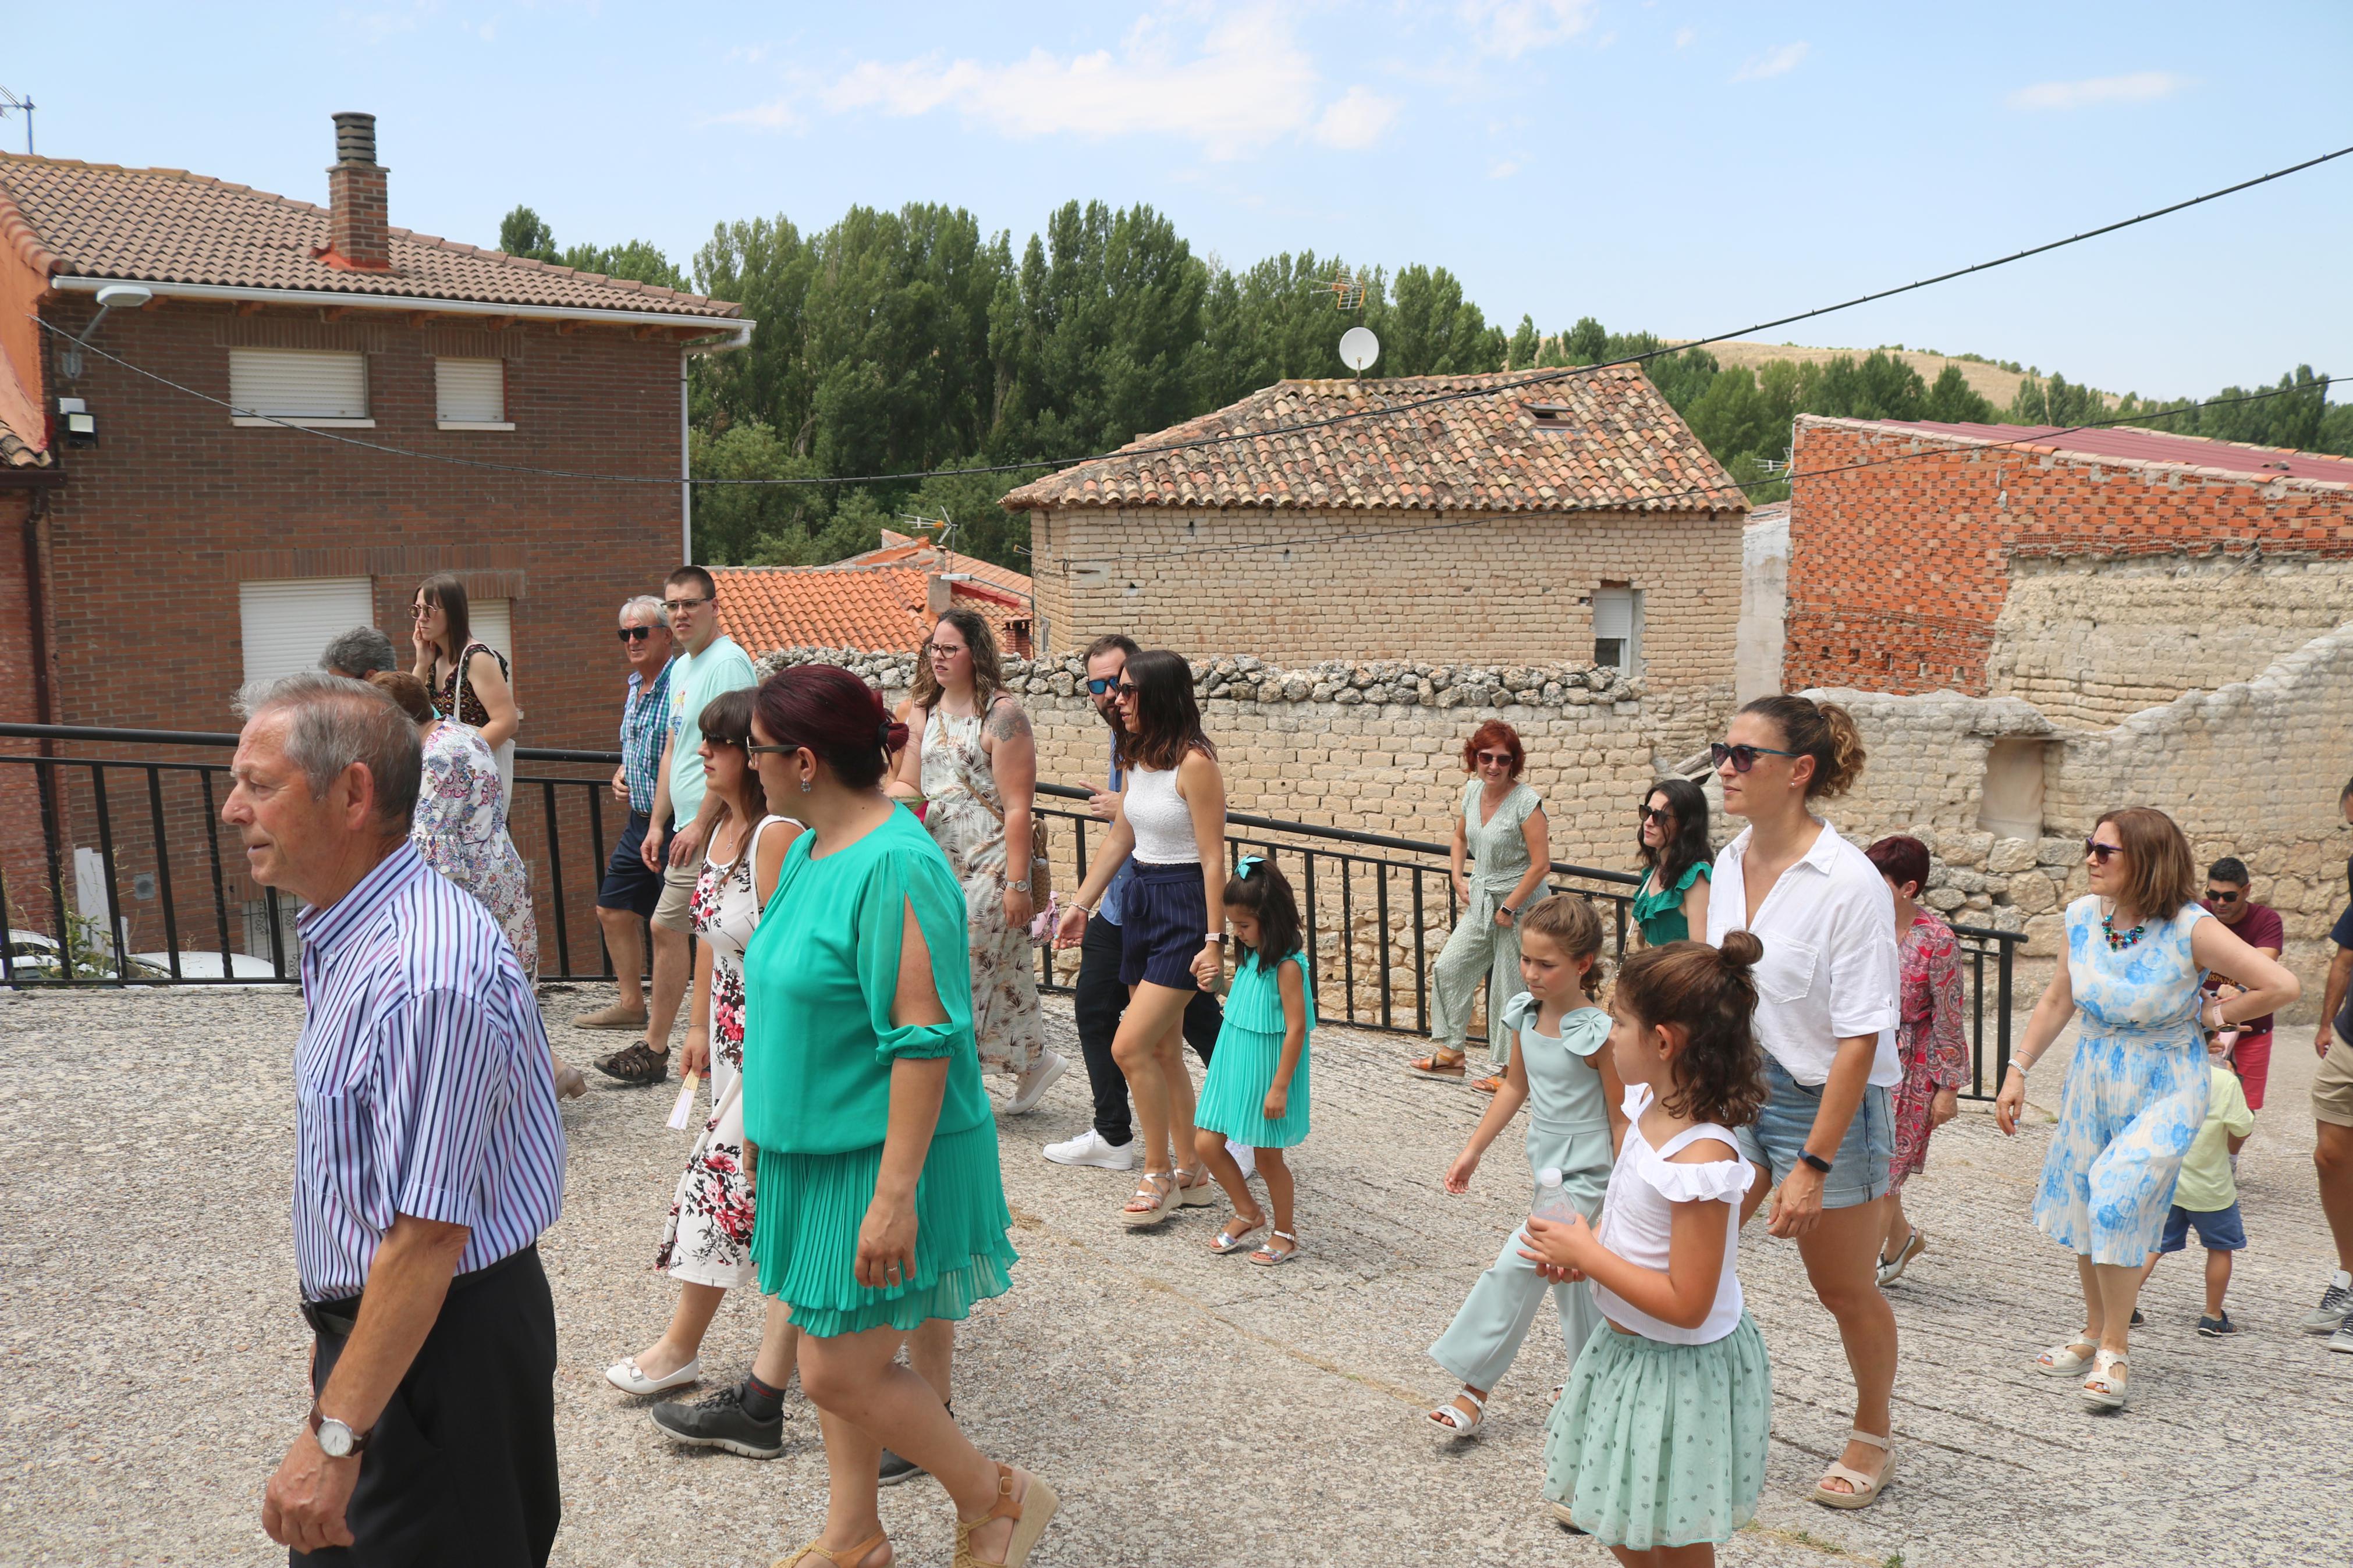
point(1574, 520)
point(884, 601)
point(227, 503)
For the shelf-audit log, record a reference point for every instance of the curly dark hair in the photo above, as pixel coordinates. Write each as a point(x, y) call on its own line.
point(1687, 846)
point(1708, 993)
point(1259, 888)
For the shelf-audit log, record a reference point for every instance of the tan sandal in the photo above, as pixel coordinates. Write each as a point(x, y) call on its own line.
point(2108, 1386)
point(1164, 1201)
point(1436, 1065)
point(1197, 1194)
point(1030, 1516)
point(1866, 1488)
point(854, 1557)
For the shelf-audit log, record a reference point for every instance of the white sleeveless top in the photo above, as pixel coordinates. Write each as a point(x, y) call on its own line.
point(1639, 1212)
point(1163, 822)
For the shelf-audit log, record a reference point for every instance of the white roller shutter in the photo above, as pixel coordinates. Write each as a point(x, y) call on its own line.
point(493, 623)
point(288, 623)
point(469, 391)
point(1618, 627)
point(299, 384)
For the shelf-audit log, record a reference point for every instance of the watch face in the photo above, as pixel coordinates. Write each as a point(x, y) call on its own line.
point(334, 1438)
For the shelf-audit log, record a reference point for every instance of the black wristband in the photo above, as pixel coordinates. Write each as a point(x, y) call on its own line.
point(1816, 1161)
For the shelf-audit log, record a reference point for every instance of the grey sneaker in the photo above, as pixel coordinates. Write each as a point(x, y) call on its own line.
point(896, 1470)
point(2336, 1304)
point(2342, 1339)
point(718, 1421)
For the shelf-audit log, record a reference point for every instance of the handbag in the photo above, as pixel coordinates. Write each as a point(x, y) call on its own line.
point(1042, 864)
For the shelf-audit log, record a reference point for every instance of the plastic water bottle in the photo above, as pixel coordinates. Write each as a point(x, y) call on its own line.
point(1552, 1198)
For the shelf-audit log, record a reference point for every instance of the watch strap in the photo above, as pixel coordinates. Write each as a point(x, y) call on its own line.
point(359, 1439)
point(1816, 1161)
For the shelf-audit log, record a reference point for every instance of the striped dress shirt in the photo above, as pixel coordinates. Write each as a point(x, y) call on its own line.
point(422, 1077)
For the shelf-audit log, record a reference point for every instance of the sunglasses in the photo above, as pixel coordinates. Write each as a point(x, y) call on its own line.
point(1126, 688)
point(2213, 897)
point(2096, 850)
point(1496, 759)
point(768, 750)
point(634, 633)
point(1654, 814)
point(1102, 683)
point(1744, 758)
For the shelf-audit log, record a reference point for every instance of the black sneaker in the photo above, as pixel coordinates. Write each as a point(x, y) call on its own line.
point(637, 1064)
point(2218, 1328)
point(896, 1470)
point(2138, 1321)
point(718, 1421)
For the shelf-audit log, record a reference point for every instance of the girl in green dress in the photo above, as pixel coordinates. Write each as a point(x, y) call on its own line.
point(1677, 862)
point(865, 1121)
point(1256, 1093)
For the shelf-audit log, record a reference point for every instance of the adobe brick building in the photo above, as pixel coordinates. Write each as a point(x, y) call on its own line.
point(234, 509)
point(1492, 521)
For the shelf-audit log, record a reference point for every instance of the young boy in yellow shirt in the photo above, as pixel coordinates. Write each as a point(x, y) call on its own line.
point(2206, 1197)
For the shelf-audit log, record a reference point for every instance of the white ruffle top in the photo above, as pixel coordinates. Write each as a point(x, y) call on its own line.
point(1637, 1216)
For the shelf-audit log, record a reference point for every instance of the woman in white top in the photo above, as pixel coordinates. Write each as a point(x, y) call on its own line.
point(1172, 819)
point(1826, 1014)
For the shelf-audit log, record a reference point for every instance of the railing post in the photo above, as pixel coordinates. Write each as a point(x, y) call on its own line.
point(163, 869)
point(220, 888)
point(1381, 915)
point(2001, 1019)
point(555, 878)
point(117, 927)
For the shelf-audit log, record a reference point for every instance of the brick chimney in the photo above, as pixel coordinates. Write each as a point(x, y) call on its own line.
point(938, 595)
point(358, 221)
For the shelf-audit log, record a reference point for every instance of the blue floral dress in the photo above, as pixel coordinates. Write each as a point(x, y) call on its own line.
point(461, 829)
point(2136, 1093)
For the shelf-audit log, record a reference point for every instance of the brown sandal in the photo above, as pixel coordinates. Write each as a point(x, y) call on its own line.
point(1435, 1065)
point(855, 1557)
point(1488, 1085)
point(1030, 1516)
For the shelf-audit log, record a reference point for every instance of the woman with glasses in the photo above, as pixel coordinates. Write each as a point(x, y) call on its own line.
point(466, 677)
point(971, 762)
point(1677, 862)
point(1503, 831)
point(1928, 1040)
point(2139, 948)
point(1826, 1015)
point(1171, 820)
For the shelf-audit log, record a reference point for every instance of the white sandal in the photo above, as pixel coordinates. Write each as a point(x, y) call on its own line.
point(1266, 1259)
point(1866, 1488)
point(1164, 1201)
point(1448, 1416)
point(2106, 1388)
point(2060, 1361)
point(1234, 1237)
point(624, 1375)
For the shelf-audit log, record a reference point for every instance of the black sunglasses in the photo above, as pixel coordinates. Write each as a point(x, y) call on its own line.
point(634, 633)
point(1100, 683)
point(1500, 759)
point(1655, 813)
point(2099, 852)
point(2214, 897)
point(1744, 758)
point(769, 751)
point(1126, 688)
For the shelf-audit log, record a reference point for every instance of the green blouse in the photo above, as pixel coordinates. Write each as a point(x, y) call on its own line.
point(819, 975)
point(1660, 910)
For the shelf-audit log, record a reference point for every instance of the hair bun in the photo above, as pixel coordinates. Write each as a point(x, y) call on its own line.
point(1740, 950)
point(893, 736)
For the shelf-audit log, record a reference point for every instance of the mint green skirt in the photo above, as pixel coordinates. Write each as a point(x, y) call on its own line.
point(1661, 1445)
point(805, 1235)
point(1233, 1094)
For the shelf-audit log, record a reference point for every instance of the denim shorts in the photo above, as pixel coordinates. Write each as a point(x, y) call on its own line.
point(2221, 1230)
point(1858, 1171)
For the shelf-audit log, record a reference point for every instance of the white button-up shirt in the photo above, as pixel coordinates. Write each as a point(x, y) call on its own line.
point(1829, 972)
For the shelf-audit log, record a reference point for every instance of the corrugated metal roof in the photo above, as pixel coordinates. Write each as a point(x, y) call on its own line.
point(2130, 443)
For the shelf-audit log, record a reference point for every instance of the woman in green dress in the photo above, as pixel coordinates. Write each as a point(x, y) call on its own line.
point(865, 1121)
point(1671, 903)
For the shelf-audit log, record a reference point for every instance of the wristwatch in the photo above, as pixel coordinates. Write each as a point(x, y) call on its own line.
point(1509, 914)
point(1020, 887)
point(1816, 1161)
point(336, 1440)
point(1217, 937)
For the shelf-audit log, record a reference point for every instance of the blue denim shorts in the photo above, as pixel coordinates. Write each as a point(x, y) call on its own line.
point(2219, 1230)
point(1858, 1171)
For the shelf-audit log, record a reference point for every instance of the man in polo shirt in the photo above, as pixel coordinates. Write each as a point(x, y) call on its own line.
point(2260, 927)
point(632, 890)
point(428, 1157)
point(708, 663)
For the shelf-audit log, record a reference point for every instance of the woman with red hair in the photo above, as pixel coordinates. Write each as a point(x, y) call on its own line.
point(1503, 831)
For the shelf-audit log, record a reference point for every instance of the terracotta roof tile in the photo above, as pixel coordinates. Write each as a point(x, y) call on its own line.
point(1601, 439)
point(871, 608)
point(24, 434)
point(898, 550)
point(2132, 443)
point(166, 225)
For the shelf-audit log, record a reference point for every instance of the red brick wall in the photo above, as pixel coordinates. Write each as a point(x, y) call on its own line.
point(1898, 571)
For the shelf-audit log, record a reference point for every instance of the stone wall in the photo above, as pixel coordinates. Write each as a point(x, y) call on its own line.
point(1764, 601)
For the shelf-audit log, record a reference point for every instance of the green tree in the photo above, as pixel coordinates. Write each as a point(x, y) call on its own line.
point(1586, 343)
point(523, 232)
point(1526, 344)
point(1954, 401)
point(639, 260)
point(1428, 328)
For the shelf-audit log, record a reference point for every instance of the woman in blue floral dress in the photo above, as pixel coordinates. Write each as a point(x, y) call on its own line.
point(2138, 947)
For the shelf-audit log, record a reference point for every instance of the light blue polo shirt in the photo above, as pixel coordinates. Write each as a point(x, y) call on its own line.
point(694, 679)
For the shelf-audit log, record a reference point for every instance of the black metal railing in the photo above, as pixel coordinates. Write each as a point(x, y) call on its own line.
point(1376, 908)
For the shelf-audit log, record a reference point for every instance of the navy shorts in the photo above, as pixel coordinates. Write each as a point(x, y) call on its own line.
point(1858, 1171)
point(627, 884)
point(2219, 1230)
point(1163, 925)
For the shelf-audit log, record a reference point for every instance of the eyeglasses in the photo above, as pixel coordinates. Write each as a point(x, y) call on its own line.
point(2096, 850)
point(1101, 684)
point(634, 633)
point(1496, 759)
point(2214, 895)
point(1744, 758)
point(684, 606)
point(419, 612)
point(941, 650)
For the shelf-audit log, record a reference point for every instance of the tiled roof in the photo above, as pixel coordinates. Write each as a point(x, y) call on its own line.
point(898, 550)
point(2130, 443)
point(166, 225)
point(871, 608)
point(24, 434)
point(1597, 439)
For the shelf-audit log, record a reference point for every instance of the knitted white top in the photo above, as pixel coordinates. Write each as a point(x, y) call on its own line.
point(1161, 820)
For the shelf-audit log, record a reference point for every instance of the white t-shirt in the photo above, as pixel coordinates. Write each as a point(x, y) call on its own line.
point(1638, 1220)
point(1830, 969)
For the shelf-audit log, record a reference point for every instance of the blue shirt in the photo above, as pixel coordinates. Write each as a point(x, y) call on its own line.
point(644, 719)
point(422, 1079)
point(1107, 907)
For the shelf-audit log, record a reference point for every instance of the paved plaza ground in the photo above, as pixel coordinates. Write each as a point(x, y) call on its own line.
point(1191, 1409)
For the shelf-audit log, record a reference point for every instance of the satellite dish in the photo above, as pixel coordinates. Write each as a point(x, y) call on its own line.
point(1359, 349)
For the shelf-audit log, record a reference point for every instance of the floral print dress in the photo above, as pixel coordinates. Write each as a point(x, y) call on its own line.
point(707, 1239)
point(2135, 1092)
point(1928, 1037)
point(956, 783)
point(461, 829)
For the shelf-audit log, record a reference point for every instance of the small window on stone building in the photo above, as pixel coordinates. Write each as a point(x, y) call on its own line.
point(470, 394)
point(1618, 629)
point(2011, 803)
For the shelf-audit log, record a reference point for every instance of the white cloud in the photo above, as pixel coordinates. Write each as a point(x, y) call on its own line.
point(1356, 119)
point(1684, 36)
point(1505, 170)
point(1512, 27)
point(777, 114)
point(2141, 87)
point(1773, 62)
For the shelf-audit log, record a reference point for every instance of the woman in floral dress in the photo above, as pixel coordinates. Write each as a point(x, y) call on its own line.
point(972, 759)
point(707, 1239)
point(1928, 1038)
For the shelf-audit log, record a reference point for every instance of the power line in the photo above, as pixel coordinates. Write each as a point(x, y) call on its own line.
point(1541, 378)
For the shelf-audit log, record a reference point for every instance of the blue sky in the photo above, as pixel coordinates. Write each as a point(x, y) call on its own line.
point(1686, 168)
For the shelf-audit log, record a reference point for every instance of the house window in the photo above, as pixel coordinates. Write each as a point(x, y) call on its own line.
point(298, 386)
point(288, 623)
point(1618, 628)
point(492, 621)
point(470, 394)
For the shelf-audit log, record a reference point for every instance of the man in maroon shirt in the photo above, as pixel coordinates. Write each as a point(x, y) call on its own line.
point(2259, 926)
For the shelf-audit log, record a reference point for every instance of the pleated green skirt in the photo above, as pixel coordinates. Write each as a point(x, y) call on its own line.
point(805, 1239)
point(1661, 1445)
point(1233, 1095)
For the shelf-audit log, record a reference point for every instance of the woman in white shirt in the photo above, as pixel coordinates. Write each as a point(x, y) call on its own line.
point(1826, 1015)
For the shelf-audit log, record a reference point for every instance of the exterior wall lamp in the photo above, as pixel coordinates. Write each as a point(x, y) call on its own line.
point(130, 296)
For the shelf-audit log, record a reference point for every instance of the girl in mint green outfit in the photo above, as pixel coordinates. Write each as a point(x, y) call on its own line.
point(1256, 1091)
point(1566, 1082)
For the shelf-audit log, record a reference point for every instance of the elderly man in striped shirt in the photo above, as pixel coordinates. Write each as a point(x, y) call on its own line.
point(428, 1158)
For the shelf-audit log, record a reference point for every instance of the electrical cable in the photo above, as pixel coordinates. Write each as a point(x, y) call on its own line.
point(1508, 388)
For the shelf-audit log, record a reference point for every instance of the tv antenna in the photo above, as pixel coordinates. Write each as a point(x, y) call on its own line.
point(938, 529)
point(1359, 348)
point(1346, 288)
point(8, 102)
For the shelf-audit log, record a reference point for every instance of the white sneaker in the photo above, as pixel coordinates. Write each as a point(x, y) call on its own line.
point(1031, 1086)
point(1091, 1148)
point(1245, 1156)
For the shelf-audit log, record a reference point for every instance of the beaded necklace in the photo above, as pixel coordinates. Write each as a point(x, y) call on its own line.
point(2118, 944)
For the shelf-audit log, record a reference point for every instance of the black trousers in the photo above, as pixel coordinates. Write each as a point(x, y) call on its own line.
point(461, 1466)
point(1098, 1001)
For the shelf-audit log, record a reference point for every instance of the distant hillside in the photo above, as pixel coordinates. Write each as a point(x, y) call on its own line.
point(1995, 385)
